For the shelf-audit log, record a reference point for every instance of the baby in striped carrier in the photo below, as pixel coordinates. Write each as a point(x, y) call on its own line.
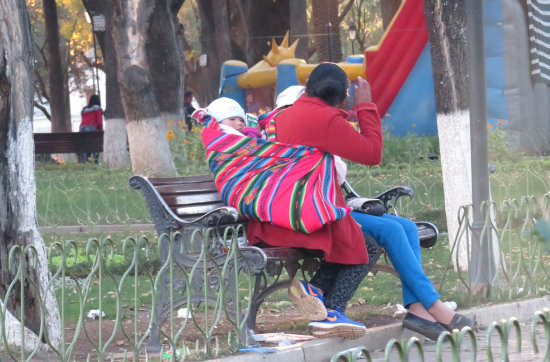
point(232, 118)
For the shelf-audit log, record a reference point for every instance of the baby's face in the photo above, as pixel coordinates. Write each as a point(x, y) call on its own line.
point(235, 122)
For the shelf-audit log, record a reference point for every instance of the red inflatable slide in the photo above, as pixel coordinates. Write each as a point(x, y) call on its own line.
point(390, 62)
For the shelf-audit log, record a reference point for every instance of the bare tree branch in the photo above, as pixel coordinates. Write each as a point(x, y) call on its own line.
point(42, 54)
point(42, 85)
point(344, 12)
point(44, 110)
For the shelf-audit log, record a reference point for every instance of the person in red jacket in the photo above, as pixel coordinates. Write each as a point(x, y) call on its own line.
point(92, 120)
point(314, 120)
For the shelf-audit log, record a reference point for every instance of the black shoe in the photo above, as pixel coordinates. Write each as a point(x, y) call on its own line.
point(459, 321)
point(428, 329)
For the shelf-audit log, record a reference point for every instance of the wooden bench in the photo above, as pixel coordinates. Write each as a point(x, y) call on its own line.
point(69, 142)
point(188, 203)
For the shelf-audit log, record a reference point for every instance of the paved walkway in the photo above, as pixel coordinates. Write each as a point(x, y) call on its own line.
point(375, 340)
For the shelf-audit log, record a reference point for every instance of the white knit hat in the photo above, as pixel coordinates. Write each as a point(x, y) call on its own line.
point(289, 95)
point(224, 107)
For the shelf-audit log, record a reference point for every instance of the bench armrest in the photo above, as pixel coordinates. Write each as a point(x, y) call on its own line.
point(388, 198)
point(166, 221)
point(223, 214)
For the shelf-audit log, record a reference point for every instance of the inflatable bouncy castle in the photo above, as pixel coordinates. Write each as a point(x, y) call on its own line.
point(399, 70)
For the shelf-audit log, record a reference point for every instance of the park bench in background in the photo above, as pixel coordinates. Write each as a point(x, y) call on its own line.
point(187, 203)
point(69, 142)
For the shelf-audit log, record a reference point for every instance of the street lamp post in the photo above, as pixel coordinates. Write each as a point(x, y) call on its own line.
point(352, 35)
point(483, 265)
point(89, 21)
point(95, 60)
point(98, 24)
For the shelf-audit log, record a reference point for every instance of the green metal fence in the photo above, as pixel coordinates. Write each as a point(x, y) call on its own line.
point(520, 266)
point(125, 282)
point(123, 302)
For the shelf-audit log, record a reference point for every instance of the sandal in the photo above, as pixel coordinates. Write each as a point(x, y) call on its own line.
point(459, 321)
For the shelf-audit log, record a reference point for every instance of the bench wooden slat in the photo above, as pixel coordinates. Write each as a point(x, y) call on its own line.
point(287, 253)
point(180, 180)
point(195, 210)
point(173, 189)
point(68, 142)
point(187, 199)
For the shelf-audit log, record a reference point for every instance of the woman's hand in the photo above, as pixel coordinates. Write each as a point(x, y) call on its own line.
point(362, 91)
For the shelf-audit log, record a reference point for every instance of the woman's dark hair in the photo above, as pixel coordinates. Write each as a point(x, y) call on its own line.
point(329, 82)
point(94, 101)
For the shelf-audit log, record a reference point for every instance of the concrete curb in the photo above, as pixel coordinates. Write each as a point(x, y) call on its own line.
point(377, 338)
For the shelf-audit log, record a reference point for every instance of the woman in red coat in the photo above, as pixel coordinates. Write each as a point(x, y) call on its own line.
point(92, 115)
point(314, 121)
point(92, 120)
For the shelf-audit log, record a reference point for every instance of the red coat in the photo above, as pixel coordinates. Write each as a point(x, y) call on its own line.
point(92, 116)
point(312, 122)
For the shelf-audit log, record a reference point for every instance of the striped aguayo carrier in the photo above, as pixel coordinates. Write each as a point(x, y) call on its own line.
point(291, 186)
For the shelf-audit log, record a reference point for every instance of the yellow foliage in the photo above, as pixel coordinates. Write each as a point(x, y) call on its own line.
point(74, 31)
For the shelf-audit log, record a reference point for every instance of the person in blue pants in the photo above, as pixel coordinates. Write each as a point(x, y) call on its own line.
point(399, 237)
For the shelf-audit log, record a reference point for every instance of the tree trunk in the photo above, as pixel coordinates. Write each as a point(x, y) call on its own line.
point(298, 27)
point(388, 9)
point(149, 150)
point(327, 30)
point(446, 26)
point(262, 27)
point(215, 43)
point(115, 139)
point(59, 86)
point(18, 189)
point(164, 54)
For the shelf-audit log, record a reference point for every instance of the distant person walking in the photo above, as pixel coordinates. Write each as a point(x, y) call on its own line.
point(92, 121)
point(189, 109)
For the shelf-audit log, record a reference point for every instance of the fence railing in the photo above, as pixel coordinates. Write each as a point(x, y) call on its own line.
point(508, 254)
point(112, 307)
point(120, 285)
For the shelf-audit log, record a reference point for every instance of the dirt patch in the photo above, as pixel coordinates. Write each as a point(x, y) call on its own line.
point(269, 320)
